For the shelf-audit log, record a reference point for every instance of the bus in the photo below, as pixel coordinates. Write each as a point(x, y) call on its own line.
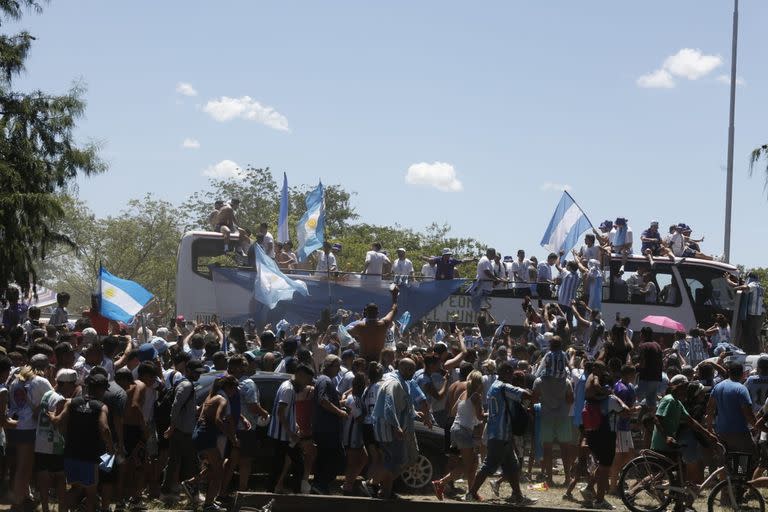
point(691, 291)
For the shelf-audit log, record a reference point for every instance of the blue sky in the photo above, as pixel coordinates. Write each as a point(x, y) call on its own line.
point(517, 98)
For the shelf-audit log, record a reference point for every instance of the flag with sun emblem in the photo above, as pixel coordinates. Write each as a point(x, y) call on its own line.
point(121, 299)
point(272, 285)
point(310, 231)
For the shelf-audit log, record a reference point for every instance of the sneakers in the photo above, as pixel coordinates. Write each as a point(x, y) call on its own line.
point(472, 498)
point(366, 490)
point(191, 492)
point(587, 494)
point(305, 487)
point(213, 507)
point(439, 489)
point(495, 486)
point(522, 501)
point(603, 505)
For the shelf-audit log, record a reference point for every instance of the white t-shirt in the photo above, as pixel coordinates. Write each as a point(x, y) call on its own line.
point(268, 244)
point(402, 267)
point(428, 271)
point(375, 261)
point(520, 273)
point(677, 244)
point(590, 253)
point(48, 439)
point(484, 283)
point(323, 261)
point(24, 398)
point(627, 239)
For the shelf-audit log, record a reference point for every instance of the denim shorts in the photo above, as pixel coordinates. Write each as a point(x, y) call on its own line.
point(462, 438)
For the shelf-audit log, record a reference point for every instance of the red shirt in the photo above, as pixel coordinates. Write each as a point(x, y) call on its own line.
point(98, 322)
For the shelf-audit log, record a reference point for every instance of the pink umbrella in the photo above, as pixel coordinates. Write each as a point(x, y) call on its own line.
point(664, 321)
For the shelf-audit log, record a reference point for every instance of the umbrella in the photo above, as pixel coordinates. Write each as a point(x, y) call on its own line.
point(664, 321)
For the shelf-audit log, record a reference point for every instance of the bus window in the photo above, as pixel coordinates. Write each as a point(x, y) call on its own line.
point(708, 288)
point(628, 285)
point(208, 251)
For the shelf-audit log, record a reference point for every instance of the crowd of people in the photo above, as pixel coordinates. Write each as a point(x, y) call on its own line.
point(103, 415)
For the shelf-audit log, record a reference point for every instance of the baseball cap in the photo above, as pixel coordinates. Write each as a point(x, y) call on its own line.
point(66, 375)
point(447, 252)
point(90, 335)
point(678, 380)
point(162, 332)
point(146, 352)
point(400, 249)
point(654, 223)
point(508, 259)
point(196, 366)
point(606, 224)
point(160, 344)
point(180, 319)
point(336, 247)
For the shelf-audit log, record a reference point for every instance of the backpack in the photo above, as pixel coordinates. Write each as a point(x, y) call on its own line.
point(164, 403)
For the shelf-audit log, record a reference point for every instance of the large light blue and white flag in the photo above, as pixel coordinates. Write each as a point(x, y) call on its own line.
point(568, 223)
point(310, 231)
point(282, 221)
point(272, 285)
point(121, 299)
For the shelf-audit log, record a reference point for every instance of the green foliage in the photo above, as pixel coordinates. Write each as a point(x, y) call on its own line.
point(139, 244)
point(758, 154)
point(39, 159)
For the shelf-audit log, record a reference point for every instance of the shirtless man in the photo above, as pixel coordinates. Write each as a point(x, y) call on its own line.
point(226, 223)
point(371, 332)
point(136, 424)
point(213, 217)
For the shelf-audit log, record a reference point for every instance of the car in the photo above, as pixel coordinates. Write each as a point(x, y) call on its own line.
point(430, 463)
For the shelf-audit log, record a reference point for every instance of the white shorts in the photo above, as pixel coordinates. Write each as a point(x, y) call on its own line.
point(624, 443)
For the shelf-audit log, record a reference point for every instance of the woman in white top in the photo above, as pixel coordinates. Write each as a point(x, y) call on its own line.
point(720, 332)
point(468, 413)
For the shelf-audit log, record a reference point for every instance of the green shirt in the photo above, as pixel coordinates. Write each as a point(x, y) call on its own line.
point(672, 412)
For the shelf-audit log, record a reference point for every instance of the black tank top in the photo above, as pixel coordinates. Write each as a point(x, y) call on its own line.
point(83, 440)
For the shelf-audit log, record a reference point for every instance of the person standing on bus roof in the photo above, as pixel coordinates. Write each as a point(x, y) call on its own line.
point(325, 259)
point(268, 242)
point(755, 310)
point(376, 262)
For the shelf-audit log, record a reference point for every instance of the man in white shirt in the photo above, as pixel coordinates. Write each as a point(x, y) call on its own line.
point(620, 239)
point(402, 268)
point(590, 250)
point(520, 274)
point(486, 279)
point(428, 270)
point(326, 260)
point(375, 262)
point(268, 243)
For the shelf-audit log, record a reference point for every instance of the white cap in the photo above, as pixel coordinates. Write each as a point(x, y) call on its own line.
point(162, 332)
point(90, 335)
point(66, 375)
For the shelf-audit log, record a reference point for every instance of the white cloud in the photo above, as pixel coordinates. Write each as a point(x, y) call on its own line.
point(190, 144)
point(226, 108)
point(548, 186)
point(687, 63)
point(659, 79)
point(692, 64)
point(440, 175)
point(726, 79)
point(186, 89)
point(225, 169)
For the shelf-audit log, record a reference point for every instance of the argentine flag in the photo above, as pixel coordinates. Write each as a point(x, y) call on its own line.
point(310, 231)
point(121, 299)
point(568, 223)
point(272, 285)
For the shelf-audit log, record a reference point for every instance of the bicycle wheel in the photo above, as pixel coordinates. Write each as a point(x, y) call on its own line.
point(644, 485)
point(745, 498)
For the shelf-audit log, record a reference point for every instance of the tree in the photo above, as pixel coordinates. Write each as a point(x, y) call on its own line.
point(758, 154)
point(39, 158)
point(256, 189)
point(139, 244)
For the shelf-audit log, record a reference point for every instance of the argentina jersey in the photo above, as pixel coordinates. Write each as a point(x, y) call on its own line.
point(758, 390)
point(498, 416)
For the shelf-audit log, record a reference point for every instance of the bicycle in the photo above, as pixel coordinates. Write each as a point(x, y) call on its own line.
point(651, 481)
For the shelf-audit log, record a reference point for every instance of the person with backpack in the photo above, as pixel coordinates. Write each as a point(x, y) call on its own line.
point(84, 418)
point(501, 450)
point(183, 464)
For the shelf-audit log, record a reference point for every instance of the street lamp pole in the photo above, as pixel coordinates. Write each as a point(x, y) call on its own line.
point(729, 178)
